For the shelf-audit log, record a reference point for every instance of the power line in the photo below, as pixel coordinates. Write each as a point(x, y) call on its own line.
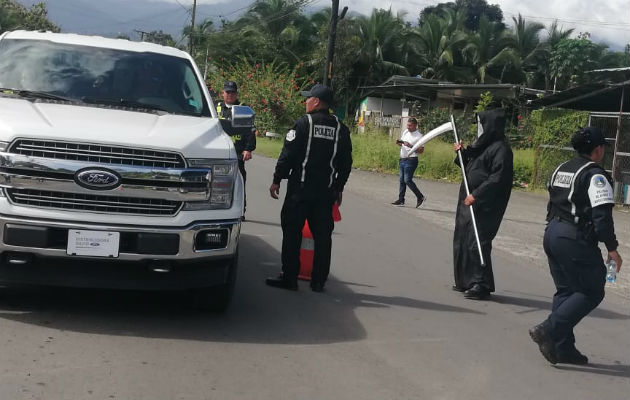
point(603, 25)
point(137, 20)
point(226, 14)
point(183, 6)
point(273, 18)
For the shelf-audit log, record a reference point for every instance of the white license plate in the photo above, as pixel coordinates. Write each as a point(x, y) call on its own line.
point(93, 243)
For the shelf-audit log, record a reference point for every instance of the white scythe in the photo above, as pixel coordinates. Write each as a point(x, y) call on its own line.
point(432, 135)
point(465, 179)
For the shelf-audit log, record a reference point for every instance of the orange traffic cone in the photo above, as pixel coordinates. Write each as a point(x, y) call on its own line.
point(307, 249)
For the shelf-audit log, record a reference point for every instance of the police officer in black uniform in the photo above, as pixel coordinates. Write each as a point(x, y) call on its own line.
point(579, 216)
point(316, 158)
point(244, 141)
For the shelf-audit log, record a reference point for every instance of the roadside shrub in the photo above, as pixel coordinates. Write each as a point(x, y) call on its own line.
point(466, 130)
point(552, 130)
point(271, 89)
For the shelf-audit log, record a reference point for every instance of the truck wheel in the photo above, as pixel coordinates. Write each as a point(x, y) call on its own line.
point(217, 298)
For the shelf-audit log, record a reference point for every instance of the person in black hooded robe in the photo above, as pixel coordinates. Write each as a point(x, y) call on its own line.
point(489, 169)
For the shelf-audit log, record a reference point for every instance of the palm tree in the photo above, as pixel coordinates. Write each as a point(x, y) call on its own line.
point(526, 44)
point(273, 16)
point(438, 40)
point(281, 25)
point(380, 48)
point(487, 50)
point(555, 35)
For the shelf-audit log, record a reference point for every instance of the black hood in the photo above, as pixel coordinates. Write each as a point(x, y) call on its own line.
point(493, 123)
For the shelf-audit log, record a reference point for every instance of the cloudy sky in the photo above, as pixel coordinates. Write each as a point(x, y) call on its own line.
point(607, 20)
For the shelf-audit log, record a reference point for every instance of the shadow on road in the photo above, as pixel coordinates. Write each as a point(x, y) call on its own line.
point(599, 369)
point(449, 212)
point(259, 314)
point(267, 223)
point(546, 305)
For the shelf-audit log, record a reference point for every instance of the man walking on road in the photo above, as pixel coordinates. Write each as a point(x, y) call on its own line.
point(408, 163)
point(244, 142)
point(316, 159)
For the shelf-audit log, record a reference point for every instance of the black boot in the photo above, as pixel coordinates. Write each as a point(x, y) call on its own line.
point(542, 337)
point(572, 356)
point(477, 292)
point(317, 287)
point(280, 282)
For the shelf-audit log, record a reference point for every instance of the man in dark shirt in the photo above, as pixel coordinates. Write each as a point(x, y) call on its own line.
point(244, 142)
point(579, 215)
point(316, 159)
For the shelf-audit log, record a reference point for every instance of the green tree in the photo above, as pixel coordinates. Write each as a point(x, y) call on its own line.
point(439, 40)
point(160, 37)
point(473, 10)
point(199, 34)
point(15, 16)
point(272, 90)
point(525, 43)
point(555, 35)
point(571, 58)
point(282, 26)
point(379, 54)
point(487, 51)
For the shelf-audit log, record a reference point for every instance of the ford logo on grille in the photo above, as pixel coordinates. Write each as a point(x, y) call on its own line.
point(97, 179)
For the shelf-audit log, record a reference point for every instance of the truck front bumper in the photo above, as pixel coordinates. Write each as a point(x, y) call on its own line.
point(159, 258)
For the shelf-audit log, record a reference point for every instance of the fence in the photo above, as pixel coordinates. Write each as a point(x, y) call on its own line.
point(618, 154)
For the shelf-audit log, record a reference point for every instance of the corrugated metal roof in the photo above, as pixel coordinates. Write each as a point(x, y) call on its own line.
point(600, 96)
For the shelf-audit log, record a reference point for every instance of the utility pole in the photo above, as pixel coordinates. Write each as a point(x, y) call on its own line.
point(334, 17)
point(142, 33)
point(192, 29)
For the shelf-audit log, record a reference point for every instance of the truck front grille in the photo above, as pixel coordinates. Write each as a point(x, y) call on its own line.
point(94, 203)
point(96, 153)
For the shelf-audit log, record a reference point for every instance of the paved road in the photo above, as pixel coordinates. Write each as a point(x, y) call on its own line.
point(388, 326)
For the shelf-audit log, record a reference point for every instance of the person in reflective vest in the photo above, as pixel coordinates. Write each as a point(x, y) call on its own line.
point(316, 159)
point(244, 143)
point(579, 216)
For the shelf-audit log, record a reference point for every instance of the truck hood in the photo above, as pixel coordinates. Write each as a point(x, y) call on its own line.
point(194, 137)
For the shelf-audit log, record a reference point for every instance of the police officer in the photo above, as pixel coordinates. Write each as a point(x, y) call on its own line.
point(244, 142)
point(316, 159)
point(579, 216)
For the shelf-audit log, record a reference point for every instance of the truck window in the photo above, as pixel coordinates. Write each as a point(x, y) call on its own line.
point(102, 75)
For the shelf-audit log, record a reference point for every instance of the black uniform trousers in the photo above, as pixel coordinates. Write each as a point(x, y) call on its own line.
point(241, 167)
point(579, 274)
point(299, 207)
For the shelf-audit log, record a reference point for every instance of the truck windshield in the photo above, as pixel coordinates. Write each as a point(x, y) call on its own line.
point(102, 76)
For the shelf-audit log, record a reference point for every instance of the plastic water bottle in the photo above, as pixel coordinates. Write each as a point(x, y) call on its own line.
point(611, 274)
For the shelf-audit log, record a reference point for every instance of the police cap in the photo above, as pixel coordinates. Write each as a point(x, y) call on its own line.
point(229, 86)
point(584, 140)
point(322, 92)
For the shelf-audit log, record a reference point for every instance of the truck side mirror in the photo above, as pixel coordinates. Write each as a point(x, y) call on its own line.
point(242, 117)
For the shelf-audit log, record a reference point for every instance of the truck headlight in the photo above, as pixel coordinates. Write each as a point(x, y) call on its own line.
point(4, 146)
point(223, 176)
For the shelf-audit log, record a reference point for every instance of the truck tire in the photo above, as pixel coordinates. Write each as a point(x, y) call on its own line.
point(217, 298)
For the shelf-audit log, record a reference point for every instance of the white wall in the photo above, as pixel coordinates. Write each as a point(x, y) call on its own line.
point(386, 106)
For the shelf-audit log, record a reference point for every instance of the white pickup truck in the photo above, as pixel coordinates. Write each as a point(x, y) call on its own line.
point(115, 171)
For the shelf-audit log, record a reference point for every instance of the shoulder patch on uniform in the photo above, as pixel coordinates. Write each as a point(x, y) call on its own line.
point(599, 191)
point(563, 179)
point(291, 135)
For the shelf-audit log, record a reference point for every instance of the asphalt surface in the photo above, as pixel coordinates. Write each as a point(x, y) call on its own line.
point(388, 326)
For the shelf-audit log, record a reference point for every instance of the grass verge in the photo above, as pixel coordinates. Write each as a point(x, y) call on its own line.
point(377, 152)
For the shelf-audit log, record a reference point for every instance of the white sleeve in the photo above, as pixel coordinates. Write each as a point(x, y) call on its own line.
point(599, 191)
